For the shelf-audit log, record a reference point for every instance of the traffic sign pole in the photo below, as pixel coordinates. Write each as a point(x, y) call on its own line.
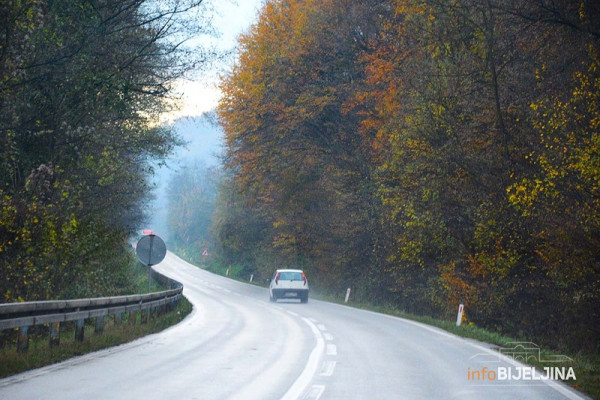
point(150, 265)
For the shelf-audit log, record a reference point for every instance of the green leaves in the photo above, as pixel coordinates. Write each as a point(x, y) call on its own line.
point(82, 86)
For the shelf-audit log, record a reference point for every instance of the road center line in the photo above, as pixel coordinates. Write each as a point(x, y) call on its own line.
point(300, 385)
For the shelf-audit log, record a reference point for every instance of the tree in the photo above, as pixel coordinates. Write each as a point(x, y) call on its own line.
point(192, 203)
point(443, 151)
point(83, 84)
point(292, 133)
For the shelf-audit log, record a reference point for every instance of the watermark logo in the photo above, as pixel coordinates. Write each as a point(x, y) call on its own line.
point(491, 367)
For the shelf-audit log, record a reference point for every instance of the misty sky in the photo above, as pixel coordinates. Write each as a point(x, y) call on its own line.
point(203, 137)
point(231, 18)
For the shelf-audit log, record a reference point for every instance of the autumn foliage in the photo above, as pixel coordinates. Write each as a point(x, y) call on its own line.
point(425, 153)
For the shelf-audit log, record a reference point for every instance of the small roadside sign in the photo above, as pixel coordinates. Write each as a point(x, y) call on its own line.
point(205, 253)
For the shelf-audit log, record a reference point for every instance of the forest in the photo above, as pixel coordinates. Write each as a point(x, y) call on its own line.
point(83, 84)
point(423, 153)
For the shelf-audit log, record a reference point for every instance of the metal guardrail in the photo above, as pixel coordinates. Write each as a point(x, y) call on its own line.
point(25, 315)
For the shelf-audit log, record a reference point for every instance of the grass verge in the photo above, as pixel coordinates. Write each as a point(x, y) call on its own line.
point(41, 354)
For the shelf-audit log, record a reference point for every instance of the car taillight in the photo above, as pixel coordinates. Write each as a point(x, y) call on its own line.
point(304, 278)
point(277, 279)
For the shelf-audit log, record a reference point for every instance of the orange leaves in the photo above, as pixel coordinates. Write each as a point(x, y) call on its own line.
point(396, 137)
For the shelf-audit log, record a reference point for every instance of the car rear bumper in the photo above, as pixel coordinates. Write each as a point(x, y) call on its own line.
point(290, 293)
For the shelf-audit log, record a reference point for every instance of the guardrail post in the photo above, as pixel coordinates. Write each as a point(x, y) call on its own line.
point(145, 313)
point(23, 339)
point(54, 334)
point(79, 329)
point(99, 324)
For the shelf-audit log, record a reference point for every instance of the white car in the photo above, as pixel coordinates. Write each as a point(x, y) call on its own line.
point(289, 284)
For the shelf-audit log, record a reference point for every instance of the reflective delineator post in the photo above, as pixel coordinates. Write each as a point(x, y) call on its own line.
point(251, 278)
point(461, 308)
point(347, 295)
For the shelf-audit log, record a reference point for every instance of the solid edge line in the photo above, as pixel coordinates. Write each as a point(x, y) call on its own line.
point(558, 386)
point(312, 365)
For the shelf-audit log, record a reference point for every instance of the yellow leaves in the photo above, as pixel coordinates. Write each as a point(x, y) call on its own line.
point(570, 159)
point(582, 14)
point(523, 195)
point(437, 109)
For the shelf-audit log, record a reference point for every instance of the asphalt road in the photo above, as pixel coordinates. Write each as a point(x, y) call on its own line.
point(237, 345)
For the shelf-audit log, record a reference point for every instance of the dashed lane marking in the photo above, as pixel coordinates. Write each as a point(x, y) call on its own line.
point(331, 350)
point(328, 368)
point(314, 393)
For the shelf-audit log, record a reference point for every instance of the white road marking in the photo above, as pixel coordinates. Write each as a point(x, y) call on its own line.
point(292, 313)
point(328, 336)
point(300, 385)
point(328, 368)
point(322, 327)
point(557, 386)
point(331, 350)
point(314, 393)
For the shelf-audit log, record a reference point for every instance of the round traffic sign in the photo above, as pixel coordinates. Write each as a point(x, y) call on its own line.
point(151, 250)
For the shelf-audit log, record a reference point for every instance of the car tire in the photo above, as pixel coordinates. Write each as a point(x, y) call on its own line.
point(304, 298)
point(272, 298)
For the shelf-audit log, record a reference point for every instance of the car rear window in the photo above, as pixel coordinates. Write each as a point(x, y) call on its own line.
point(290, 276)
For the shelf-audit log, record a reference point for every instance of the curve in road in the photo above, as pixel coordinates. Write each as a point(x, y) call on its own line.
point(237, 345)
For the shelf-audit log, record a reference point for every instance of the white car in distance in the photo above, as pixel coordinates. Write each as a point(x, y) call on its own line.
point(289, 284)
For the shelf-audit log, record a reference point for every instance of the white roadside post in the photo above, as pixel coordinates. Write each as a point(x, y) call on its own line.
point(461, 308)
point(251, 277)
point(347, 295)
